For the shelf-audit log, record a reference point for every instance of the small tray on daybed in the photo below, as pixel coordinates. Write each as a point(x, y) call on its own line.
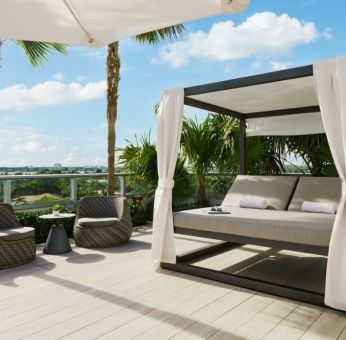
point(219, 212)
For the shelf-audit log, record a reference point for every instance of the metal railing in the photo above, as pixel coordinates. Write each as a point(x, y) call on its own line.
point(73, 199)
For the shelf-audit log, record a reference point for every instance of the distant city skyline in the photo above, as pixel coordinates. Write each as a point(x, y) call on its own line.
point(58, 114)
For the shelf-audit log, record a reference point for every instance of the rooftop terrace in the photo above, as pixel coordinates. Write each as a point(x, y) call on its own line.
point(115, 294)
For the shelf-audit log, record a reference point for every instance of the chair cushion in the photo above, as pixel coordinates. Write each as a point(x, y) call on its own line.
point(288, 226)
point(316, 189)
point(15, 234)
point(276, 190)
point(97, 221)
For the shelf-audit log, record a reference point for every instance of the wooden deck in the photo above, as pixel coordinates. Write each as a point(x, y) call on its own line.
point(115, 294)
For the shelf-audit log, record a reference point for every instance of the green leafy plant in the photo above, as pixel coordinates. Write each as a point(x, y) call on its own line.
point(46, 199)
point(199, 145)
point(138, 214)
point(314, 151)
point(39, 52)
point(56, 207)
point(141, 160)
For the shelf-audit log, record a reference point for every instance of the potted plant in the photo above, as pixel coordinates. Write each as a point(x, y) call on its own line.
point(56, 209)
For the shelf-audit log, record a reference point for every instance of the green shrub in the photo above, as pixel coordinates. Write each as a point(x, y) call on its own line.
point(47, 199)
point(138, 214)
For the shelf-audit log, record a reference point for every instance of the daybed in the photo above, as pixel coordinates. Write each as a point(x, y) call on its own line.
point(17, 243)
point(102, 222)
point(282, 224)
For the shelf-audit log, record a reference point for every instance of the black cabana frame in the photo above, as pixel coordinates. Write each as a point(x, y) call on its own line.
point(264, 78)
point(232, 241)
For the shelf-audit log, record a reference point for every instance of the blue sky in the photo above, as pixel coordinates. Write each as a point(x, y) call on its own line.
point(57, 114)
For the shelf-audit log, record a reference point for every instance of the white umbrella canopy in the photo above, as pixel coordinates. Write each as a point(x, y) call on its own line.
point(95, 23)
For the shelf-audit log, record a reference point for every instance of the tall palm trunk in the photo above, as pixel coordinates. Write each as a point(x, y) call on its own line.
point(201, 192)
point(113, 78)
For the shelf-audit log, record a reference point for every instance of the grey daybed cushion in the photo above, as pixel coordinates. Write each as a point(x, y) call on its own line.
point(316, 189)
point(276, 190)
point(287, 226)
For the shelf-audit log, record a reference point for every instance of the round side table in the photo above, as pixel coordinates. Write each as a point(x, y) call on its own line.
point(57, 240)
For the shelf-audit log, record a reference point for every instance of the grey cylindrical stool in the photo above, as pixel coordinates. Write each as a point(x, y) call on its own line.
point(57, 240)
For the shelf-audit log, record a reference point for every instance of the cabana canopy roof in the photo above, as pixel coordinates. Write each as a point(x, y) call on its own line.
point(275, 103)
point(95, 23)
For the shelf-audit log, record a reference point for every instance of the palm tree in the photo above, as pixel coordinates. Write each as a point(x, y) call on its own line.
point(38, 52)
point(313, 150)
point(225, 132)
point(113, 79)
point(199, 145)
point(263, 154)
point(141, 159)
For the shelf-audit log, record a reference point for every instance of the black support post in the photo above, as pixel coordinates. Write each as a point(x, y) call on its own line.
point(242, 146)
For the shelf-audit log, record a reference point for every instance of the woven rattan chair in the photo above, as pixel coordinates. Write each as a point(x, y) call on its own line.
point(17, 243)
point(102, 222)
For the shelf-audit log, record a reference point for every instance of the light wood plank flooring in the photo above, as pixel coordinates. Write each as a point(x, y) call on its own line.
point(115, 294)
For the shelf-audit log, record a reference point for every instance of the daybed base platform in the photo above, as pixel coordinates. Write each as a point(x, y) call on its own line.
point(234, 241)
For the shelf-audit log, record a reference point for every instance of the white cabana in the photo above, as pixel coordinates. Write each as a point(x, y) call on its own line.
point(95, 23)
point(304, 100)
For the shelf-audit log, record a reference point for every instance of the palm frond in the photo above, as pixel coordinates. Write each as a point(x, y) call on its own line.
point(141, 159)
point(154, 37)
point(39, 52)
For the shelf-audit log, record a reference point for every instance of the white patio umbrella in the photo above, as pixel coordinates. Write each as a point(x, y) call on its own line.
point(96, 23)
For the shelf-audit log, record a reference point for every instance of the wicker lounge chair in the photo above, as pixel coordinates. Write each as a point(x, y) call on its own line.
point(102, 222)
point(17, 243)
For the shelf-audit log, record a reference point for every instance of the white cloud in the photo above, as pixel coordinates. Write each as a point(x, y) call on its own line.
point(21, 98)
point(81, 78)
point(256, 64)
point(279, 65)
point(263, 34)
point(72, 156)
point(26, 139)
point(32, 144)
point(98, 54)
point(327, 33)
point(134, 131)
point(101, 126)
point(58, 76)
point(28, 146)
point(228, 69)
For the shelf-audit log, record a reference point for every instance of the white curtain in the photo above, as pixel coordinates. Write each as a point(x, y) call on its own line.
point(170, 120)
point(330, 85)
